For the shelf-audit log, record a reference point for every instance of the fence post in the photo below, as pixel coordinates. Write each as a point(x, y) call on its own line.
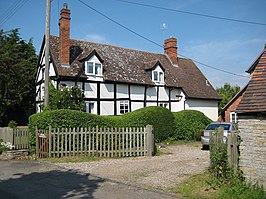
point(37, 141)
point(150, 140)
point(49, 141)
point(229, 152)
point(97, 140)
point(232, 151)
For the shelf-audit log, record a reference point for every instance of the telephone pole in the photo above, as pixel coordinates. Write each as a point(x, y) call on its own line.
point(47, 53)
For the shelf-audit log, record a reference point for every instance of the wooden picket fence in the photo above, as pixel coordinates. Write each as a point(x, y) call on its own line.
point(232, 143)
point(19, 136)
point(100, 142)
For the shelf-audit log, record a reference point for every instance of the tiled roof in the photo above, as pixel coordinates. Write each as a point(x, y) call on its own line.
point(254, 99)
point(127, 65)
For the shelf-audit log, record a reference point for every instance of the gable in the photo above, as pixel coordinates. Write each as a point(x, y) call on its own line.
point(254, 99)
point(39, 76)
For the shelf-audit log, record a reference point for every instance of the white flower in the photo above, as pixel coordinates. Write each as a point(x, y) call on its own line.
point(7, 145)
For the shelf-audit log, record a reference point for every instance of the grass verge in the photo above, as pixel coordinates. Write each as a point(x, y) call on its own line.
point(204, 185)
point(197, 187)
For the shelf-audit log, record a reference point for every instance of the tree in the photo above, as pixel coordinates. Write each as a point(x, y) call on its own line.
point(67, 98)
point(17, 67)
point(227, 92)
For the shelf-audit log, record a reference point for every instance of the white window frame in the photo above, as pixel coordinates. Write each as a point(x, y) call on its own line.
point(94, 70)
point(88, 109)
point(124, 107)
point(233, 117)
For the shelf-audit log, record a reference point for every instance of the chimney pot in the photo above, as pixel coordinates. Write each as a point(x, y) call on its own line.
point(170, 49)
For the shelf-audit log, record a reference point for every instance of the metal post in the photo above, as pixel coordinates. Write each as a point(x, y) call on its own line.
point(47, 52)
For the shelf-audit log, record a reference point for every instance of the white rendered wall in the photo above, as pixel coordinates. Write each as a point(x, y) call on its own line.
point(107, 108)
point(137, 92)
point(122, 91)
point(208, 107)
point(107, 91)
point(177, 106)
point(136, 105)
point(151, 104)
point(163, 94)
point(151, 93)
point(70, 84)
point(90, 90)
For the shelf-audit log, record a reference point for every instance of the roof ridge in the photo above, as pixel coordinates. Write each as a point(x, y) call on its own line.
point(78, 40)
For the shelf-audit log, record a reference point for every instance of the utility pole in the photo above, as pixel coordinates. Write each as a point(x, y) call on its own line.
point(47, 53)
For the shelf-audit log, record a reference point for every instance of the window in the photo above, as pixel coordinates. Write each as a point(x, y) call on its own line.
point(163, 105)
point(161, 79)
point(155, 76)
point(123, 107)
point(90, 107)
point(92, 68)
point(233, 117)
point(158, 75)
point(216, 125)
point(98, 69)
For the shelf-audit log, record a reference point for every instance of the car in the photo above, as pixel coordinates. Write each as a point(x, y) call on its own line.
point(205, 139)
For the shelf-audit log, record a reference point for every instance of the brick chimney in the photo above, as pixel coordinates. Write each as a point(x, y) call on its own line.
point(170, 49)
point(64, 35)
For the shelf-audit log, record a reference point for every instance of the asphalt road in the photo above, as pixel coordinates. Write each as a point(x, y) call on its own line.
point(33, 179)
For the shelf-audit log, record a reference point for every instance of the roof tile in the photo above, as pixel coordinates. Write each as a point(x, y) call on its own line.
point(127, 65)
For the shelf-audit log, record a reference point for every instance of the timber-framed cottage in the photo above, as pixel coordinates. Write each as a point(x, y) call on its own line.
point(117, 80)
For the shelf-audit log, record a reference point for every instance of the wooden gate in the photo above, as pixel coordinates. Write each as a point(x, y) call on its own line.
point(42, 143)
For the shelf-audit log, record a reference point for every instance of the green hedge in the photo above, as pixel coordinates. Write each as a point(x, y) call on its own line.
point(183, 125)
point(161, 118)
point(189, 124)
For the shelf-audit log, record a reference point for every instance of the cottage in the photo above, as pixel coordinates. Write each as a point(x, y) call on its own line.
point(252, 123)
point(117, 80)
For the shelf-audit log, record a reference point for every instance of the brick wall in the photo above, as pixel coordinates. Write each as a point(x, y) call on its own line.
point(232, 108)
point(253, 148)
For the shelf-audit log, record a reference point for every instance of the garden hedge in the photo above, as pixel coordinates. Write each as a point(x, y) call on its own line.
point(183, 125)
point(161, 118)
point(189, 124)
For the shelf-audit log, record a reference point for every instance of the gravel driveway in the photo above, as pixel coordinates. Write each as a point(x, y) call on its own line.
point(163, 172)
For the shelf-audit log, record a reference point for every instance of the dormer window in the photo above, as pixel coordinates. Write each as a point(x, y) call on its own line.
point(93, 68)
point(158, 75)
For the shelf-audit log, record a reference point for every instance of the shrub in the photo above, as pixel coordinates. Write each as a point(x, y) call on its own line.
point(63, 118)
point(161, 118)
point(189, 124)
point(218, 154)
point(12, 124)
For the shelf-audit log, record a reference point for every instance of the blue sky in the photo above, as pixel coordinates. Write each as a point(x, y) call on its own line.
point(222, 44)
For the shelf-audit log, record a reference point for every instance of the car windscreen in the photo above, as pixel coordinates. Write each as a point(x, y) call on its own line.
point(215, 126)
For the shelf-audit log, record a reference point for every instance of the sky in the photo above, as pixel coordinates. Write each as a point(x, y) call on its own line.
point(226, 45)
